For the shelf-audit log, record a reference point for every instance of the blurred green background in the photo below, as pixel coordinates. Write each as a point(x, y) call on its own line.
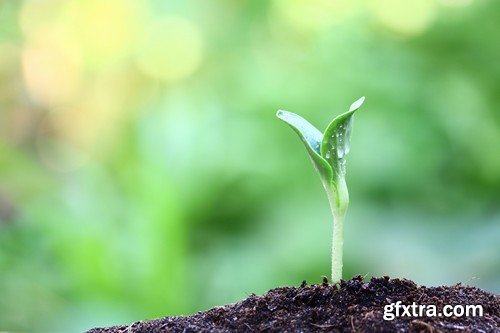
point(143, 172)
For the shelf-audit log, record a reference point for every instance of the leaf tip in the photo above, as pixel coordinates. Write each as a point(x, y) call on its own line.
point(284, 115)
point(356, 105)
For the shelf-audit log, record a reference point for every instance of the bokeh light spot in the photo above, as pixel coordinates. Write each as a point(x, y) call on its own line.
point(312, 15)
point(52, 69)
point(405, 17)
point(171, 50)
point(108, 29)
point(456, 3)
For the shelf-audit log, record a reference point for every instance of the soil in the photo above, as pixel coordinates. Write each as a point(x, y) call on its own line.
point(352, 306)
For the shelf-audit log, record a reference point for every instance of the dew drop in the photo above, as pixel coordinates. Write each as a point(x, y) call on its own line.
point(343, 139)
point(347, 147)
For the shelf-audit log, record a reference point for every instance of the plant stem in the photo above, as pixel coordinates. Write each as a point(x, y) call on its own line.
point(338, 196)
point(337, 247)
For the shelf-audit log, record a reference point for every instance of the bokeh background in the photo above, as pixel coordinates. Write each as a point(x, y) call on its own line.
point(143, 172)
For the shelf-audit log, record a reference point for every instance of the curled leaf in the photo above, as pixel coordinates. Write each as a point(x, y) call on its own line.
point(312, 138)
point(336, 142)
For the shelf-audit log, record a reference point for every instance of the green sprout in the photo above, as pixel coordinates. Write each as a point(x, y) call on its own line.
point(328, 152)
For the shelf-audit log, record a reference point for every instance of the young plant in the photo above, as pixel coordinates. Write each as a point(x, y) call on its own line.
point(328, 152)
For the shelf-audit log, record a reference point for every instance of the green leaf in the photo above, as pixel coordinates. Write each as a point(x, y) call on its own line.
point(336, 140)
point(312, 138)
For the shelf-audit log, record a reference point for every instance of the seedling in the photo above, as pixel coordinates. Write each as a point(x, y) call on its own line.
point(328, 151)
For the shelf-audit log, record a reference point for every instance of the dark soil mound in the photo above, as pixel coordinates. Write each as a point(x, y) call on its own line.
point(354, 306)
